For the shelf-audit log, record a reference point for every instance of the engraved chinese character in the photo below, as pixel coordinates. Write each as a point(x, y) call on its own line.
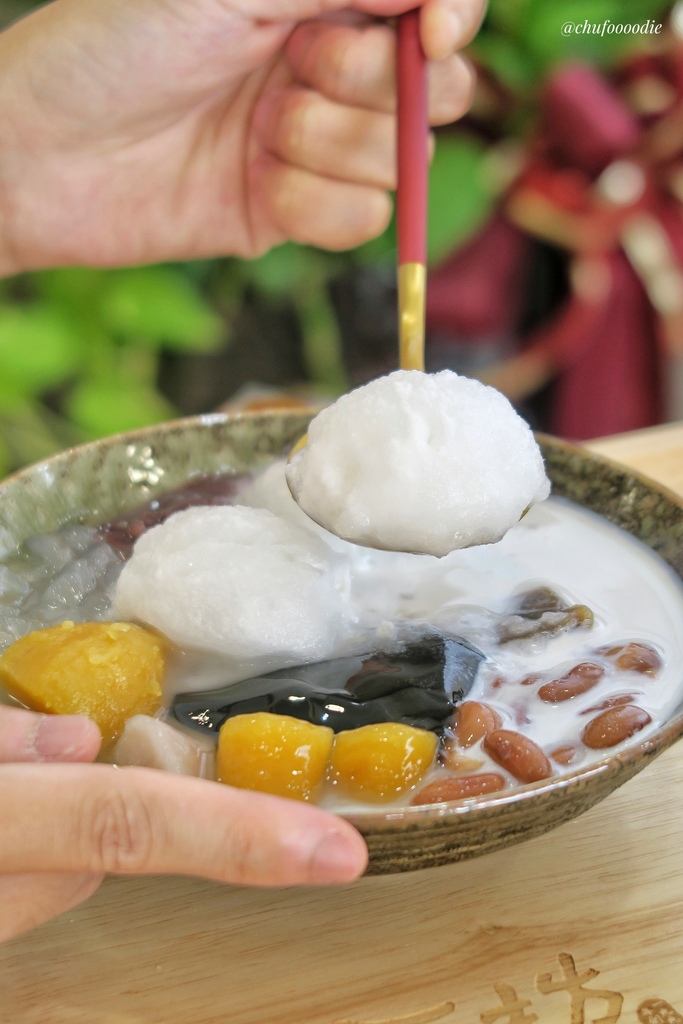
point(512, 1009)
point(573, 983)
point(658, 1011)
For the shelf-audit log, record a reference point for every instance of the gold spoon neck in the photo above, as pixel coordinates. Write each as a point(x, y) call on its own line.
point(412, 288)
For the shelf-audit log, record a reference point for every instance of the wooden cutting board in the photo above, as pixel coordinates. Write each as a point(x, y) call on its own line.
point(581, 926)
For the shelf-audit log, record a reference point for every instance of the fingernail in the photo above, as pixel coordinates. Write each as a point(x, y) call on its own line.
point(64, 737)
point(337, 859)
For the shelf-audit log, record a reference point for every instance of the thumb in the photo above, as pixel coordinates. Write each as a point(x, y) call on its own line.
point(27, 736)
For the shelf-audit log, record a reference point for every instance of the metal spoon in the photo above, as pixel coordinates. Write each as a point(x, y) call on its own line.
point(411, 194)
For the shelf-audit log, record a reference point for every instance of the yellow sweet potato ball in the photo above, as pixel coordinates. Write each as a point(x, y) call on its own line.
point(105, 670)
point(380, 762)
point(273, 754)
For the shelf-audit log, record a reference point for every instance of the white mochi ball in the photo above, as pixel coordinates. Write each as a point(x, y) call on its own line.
point(237, 581)
point(419, 462)
point(269, 490)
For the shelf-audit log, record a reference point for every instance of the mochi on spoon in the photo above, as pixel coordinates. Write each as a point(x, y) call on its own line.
point(419, 462)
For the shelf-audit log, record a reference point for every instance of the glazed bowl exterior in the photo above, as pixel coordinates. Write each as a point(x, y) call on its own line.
point(97, 481)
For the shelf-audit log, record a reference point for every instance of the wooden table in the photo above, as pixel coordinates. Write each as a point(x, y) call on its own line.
point(581, 925)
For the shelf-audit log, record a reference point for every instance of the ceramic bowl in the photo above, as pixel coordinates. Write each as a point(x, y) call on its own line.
point(108, 477)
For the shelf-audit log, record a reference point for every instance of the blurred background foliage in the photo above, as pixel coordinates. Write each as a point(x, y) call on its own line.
point(86, 352)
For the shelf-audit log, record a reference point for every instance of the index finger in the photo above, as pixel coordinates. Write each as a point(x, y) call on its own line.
point(449, 25)
point(99, 818)
point(354, 65)
point(446, 25)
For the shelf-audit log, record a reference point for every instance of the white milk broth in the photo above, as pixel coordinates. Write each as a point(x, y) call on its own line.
point(632, 593)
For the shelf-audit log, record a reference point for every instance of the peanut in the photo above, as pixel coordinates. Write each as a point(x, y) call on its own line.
point(518, 755)
point(472, 721)
point(565, 755)
point(580, 679)
point(634, 657)
point(456, 760)
point(610, 702)
point(614, 725)
point(459, 787)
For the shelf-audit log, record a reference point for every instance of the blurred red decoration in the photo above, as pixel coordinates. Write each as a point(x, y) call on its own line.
point(602, 180)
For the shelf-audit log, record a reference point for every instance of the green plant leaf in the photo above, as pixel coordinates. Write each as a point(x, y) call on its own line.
point(160, 306)
point(380, 250)
point(5, 461)
point(30, 432)
point(507, 16)
point(198, 270)
point(545, 39)
point(78, 287)
point(321, 341)
point(459, 200)
point(508, 61)
point(101, 407)
point(38, 348)
point(287, 268)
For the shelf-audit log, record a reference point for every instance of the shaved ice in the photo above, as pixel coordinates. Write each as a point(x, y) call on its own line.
point(427, 463)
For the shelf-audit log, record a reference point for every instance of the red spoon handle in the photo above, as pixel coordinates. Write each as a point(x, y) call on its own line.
point(413, 138)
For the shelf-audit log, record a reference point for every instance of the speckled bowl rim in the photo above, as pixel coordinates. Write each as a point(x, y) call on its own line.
point(617, 768)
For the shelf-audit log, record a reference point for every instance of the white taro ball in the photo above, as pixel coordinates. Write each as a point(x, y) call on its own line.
point(419, 462)
point(237, 581)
